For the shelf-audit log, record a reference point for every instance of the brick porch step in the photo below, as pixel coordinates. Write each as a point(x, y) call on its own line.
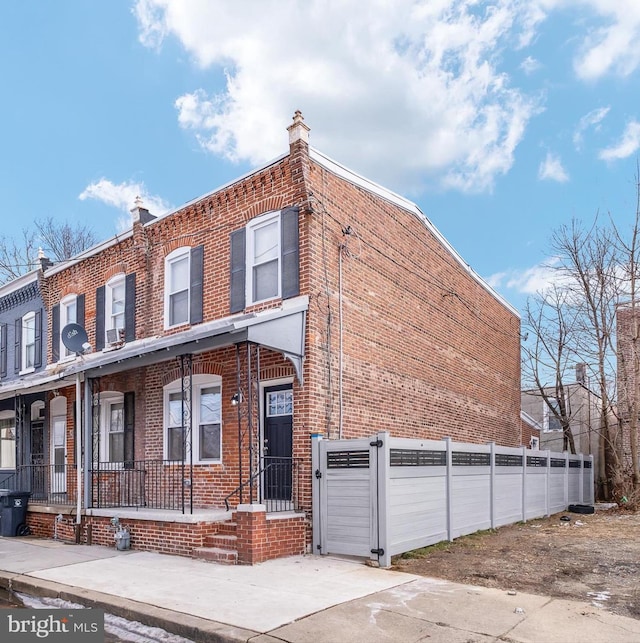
point(220, 547)
point(216, 555)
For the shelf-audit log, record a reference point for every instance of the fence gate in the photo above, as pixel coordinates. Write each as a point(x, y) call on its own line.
point(347, 498)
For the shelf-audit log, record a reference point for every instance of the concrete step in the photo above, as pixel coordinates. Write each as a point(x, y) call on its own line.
point(216, 555)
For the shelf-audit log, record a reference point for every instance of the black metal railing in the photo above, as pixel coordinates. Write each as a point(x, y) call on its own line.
point(154, 484)
point(49, 484)
point(277, 485)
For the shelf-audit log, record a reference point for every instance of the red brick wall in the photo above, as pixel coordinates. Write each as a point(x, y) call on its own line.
point(427, 351)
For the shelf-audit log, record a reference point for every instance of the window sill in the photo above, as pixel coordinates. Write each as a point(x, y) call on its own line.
point(26, 371)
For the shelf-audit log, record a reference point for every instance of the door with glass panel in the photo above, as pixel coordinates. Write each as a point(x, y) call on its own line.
point(278, 442)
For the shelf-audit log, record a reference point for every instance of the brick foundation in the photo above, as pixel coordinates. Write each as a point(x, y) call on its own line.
point(262, 537)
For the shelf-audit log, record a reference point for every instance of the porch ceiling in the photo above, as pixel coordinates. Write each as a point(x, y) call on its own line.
point(280, 329)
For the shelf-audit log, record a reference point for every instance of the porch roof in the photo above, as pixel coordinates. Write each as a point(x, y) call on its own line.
point(280, 329)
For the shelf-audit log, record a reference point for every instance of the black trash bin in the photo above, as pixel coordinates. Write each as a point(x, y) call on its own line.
point(13, 512)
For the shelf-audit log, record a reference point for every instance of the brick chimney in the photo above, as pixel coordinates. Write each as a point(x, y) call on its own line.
point(581, 373)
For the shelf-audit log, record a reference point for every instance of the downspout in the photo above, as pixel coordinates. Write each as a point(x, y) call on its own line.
point(340, 352)
point(78, 449)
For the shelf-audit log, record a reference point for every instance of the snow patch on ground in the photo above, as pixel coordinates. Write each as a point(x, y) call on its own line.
point(114, 625)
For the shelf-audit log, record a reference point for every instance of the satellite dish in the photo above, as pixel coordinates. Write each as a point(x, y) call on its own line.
point(74, 337)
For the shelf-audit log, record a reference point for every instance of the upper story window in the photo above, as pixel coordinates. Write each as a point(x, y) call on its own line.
point(70, 310)
point(3, 350)
point(28, 342)
point(116, 311)
point(183, 274)
point(68, 315)
point(265, 259)
point(551, 421)
point(114, 305)
point(206, 418)
point(177, 270)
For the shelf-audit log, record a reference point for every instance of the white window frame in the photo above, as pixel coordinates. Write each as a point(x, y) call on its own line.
point(252, 227)
point(29, 317)
point(110, 286)
point(107, 400)
point(65, 304)
point(8, 415)
point(177, 255)
point(199, 382)
point(547, 415)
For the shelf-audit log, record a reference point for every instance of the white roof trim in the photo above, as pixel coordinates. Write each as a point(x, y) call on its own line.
point(18, 282)
point(356, 179)
point(530, 421)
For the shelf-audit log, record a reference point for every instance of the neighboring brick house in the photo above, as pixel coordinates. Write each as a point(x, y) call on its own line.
point(299, 299)
point(585, 413)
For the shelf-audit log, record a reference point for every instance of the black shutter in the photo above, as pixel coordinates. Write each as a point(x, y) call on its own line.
point(80, 310)
point(55, 333)
point(100, 318)
point(238, 252)
point(3, 350)
point(37, 348)
point(17, 356)
point(197, 272)
point(290, 253)
point(129, 424)
point(130, 307)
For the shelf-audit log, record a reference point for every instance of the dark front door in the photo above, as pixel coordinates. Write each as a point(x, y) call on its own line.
point(278, 442)
point(37, 460)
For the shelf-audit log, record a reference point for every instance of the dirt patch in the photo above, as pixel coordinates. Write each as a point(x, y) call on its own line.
point(593, 558)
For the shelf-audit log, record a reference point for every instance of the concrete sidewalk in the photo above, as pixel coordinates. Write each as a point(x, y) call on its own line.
point(305, 599)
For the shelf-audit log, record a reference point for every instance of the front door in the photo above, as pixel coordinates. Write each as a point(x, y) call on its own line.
point(58, 454)
point(38, 487)
point(278, 442)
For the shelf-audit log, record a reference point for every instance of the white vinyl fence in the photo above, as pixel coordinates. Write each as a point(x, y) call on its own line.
point(382, 496)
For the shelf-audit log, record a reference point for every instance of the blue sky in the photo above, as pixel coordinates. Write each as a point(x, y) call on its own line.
point(501, 120)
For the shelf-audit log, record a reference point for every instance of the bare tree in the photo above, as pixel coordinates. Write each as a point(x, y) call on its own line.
point(59, 241)
point(550, 320)
point(592, 315)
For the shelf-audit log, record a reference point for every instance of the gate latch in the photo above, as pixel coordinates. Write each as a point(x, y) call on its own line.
point(318, 474)
point(379, 552)
point(376, 443)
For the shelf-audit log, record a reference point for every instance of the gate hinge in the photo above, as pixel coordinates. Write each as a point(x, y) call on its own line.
point(379, 552)
point(318, 474)
point(376, 443)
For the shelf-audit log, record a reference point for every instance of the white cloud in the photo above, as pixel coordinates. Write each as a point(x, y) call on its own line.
point(122, 196)
point(407, 93)
point(591, 119)
point(538, 278)
point(613, 47)
point(551, 169)
point(628, 144)
point(530, 65)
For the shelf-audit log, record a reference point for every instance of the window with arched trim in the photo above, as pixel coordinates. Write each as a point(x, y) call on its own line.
point(68, 315)
point(183, 281)
point(206, 412)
